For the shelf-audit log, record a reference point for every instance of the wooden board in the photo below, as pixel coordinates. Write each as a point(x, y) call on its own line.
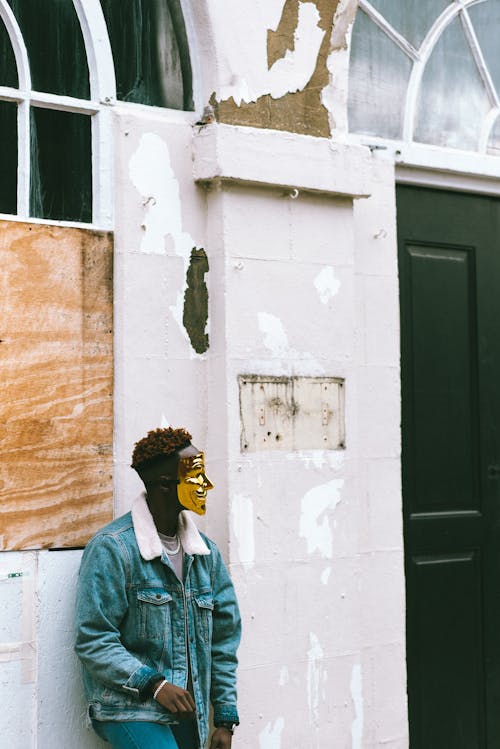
point(56, 380)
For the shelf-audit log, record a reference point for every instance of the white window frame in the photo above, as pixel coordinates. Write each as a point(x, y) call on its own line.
point(420, 163)
point(102, 95)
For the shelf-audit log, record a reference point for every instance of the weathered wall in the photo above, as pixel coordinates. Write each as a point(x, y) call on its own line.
point(310, 288)
point(42, 699)
point(280, 84)
point(160, 220)
point(284, 66)
point(298, 235)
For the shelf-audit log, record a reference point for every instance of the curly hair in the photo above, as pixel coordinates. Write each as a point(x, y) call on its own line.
point(159, 443)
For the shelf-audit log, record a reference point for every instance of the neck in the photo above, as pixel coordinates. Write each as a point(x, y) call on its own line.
point(165, 515)
point(166, 529)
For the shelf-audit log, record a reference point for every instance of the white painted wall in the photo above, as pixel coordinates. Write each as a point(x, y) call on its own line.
point(42, 702)
point(297, 286)
point(160, 217)
point(310, 287)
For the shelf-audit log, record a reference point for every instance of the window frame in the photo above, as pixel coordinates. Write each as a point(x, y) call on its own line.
point(99, 107)
point(102, 94)
point(407, 152)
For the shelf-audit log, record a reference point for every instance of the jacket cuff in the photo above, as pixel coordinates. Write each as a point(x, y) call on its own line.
point(140, 682)
point(226, 714)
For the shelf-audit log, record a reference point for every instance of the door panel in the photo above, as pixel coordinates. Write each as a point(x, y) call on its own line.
point(449, 264)
point(449, 684)
point(444, 381)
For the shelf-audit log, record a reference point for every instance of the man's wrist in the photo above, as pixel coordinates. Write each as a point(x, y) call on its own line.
point(227, 724)
point(157, 687)
point(151, 684)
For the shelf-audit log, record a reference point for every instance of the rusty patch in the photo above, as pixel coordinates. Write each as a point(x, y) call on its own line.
point(195, 314)
point(302, 111)
point(56, 368)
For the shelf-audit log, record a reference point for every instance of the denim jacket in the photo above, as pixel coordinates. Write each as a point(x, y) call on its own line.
point(135, 620)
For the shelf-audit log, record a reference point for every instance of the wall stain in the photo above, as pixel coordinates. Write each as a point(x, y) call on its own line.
point(195, 314)
point(302, 111)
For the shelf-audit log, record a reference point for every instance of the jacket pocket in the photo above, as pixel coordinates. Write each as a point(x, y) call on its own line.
point(154, 614)
point(203, 611)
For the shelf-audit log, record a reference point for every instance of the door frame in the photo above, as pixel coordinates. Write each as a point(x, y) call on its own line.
point(420, 176)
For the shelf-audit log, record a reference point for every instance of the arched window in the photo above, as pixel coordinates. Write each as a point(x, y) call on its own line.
point(150, 50)
point(57, 84)
point(427, 71)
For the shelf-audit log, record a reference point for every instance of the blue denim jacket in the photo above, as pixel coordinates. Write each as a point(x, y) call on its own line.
point(135, 620)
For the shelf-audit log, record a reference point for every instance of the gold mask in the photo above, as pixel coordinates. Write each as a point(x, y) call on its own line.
point(193, 483)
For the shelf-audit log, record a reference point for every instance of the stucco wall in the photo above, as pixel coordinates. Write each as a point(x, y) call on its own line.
point(310, 285)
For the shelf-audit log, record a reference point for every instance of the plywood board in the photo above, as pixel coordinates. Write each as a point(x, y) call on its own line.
point(56, 378)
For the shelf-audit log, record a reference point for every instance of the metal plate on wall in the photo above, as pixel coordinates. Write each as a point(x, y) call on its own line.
point(291, 413)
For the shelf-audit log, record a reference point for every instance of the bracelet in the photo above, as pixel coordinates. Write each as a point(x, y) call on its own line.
point(159, 688)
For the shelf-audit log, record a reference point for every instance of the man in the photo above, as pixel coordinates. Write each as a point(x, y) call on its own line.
point(157, 619)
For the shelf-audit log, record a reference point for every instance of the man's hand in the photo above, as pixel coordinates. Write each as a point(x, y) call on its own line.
point(221, 739)
point(177, 701)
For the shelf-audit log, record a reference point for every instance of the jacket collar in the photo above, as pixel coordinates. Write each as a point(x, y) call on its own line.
point(147, 536)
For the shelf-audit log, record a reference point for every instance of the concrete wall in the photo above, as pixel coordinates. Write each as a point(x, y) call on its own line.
point(299, 232)
point(310, 284)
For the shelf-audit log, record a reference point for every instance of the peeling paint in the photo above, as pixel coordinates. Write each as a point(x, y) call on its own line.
point(276, 340)
point(294, 71)
point(315, 677)
point(152, 174)
point(319, 459)
point(275, 337)
point(287, 74)
point(270, 737)
point(285, 94)
point(284, 676)
point(280, 40)
point(153, 177)
point(314, 521)
point(357, 698)
point(243, 527)
point(334, 94)
point(195, 315)
point(326, 284)
point(342, 23)
point(325, 575)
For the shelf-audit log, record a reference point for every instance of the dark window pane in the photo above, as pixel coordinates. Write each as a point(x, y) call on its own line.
point(8, 157)
point(150, 51)
point(54, 41)
point(8, 69)
point(61, 172)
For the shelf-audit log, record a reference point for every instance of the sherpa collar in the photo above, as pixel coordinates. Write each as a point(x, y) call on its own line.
point(147, 536)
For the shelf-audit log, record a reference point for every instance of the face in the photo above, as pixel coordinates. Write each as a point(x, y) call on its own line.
point(193, 482)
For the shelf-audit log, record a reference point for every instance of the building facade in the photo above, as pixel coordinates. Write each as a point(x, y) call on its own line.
point(200, 204)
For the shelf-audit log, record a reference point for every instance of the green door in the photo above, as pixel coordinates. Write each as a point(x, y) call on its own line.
point(449, 265)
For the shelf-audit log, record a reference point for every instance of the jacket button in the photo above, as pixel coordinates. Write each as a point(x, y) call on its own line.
point(158, 595)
